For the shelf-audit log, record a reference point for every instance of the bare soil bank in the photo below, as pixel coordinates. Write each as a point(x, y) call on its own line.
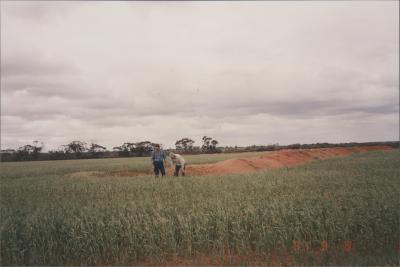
point(276, 159)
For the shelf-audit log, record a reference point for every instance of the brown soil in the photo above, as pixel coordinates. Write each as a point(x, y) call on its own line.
point(276, 159)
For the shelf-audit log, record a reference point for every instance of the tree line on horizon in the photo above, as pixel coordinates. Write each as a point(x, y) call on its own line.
point(82, 150)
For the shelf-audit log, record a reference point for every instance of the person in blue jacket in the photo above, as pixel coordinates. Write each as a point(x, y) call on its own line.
point(157, 157)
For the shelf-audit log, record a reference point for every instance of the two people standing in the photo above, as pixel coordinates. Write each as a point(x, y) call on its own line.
point(158, 157)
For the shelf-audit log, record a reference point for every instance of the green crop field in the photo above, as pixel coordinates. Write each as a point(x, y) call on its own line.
point(339, 211)
point(62, 167)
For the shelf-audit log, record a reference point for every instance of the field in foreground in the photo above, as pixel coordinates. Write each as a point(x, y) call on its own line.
point(338, 211)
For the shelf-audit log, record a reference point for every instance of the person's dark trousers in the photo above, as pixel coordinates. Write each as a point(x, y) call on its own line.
point(159, 167)
point(177, 168)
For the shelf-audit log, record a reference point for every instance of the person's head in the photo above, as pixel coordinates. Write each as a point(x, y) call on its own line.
point(156, 147)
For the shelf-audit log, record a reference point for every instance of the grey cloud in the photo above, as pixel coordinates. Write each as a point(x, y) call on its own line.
point(40, 77)
point(33, 64)
point(305, 108)
point(36, 10)
point(105, 114)
point(244, 72)
point(44, 86)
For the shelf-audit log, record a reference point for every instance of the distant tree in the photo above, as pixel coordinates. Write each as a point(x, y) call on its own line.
point(8, 154)
point(294, 146)
point(140, 149)
point(8, 151)
point(214, 144)
point(76, 147)
point(95, 148)
point(65, 149)
point(179, 145)
point(29, 152)
point(123, 150)
point(38, 146)
point(118, 148)
point(128, 146)
point(184, 144)
point(209, 144)
point(61, 149)
point(143, 148)
point(59, 153)
point(23, 152)
point(206, 143)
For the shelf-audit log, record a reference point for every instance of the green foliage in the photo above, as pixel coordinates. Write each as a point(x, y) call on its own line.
point(184, 144)
point(51, 217)
point(209, 144)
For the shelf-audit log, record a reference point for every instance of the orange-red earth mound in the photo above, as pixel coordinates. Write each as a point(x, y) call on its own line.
point(276, 159)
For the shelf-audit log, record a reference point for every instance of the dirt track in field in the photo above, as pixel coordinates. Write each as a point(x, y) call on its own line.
point(276, 159)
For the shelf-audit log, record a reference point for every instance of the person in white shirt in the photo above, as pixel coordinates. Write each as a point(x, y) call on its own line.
point(179, 162)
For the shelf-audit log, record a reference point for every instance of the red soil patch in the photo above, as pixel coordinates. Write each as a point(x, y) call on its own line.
point(276, 159)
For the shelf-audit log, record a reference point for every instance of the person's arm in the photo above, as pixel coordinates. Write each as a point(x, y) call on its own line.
point(152, 157)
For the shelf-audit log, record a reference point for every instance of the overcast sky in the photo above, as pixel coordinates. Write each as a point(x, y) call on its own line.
point(242, 72)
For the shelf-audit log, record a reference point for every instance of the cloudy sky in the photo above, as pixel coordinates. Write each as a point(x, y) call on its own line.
point(242, 72)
